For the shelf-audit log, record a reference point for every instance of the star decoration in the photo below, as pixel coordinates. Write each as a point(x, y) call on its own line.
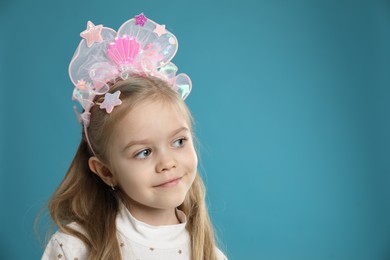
point(110, 101)
point(92, 34)
point(81, 84)
point(160, 29)
point(140, 19)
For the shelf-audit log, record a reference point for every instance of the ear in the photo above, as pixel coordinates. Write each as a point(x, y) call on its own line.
point(101, 170)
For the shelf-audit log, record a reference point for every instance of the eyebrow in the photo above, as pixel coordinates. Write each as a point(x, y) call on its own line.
point(175, 132)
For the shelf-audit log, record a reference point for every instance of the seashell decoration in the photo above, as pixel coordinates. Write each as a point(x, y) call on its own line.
point(123, 50)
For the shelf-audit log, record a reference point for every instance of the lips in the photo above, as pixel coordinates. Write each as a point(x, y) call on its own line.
point(170, 183)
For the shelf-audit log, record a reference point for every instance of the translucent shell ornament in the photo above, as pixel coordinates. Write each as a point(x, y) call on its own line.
point(123, 50)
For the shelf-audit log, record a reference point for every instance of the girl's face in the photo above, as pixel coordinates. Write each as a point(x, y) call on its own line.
point(152, 157)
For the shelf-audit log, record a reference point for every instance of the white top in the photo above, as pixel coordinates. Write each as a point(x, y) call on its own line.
point(137, 240)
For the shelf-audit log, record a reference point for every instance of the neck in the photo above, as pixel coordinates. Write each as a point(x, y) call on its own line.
point(152, 216)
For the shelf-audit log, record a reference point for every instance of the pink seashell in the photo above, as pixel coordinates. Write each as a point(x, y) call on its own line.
point(124, 50)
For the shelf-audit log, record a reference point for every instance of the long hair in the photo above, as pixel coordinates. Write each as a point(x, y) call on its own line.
point(84, 198)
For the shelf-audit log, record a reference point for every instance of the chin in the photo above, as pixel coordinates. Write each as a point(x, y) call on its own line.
point(171, 201)
point(173, 197)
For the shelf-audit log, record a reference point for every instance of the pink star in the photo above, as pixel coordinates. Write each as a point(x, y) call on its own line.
point(160, 29)
point(110, 101)
point(92, 34)
point(81, 84)
point(140, 19)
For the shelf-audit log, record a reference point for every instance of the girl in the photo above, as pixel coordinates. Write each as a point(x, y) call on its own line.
point(132, 190)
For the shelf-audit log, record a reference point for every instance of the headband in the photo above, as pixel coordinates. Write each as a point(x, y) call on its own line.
point(140, 46)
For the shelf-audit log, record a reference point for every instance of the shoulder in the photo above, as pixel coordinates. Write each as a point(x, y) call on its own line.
point(65, 246)
point(220, 255)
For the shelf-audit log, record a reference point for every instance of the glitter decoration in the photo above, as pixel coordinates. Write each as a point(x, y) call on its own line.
point(92, 34)
point(110, 101)
point(140, 19)
point(81, 84)
point(160, 29)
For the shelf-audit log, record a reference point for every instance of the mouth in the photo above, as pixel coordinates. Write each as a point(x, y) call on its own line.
point(170, 183)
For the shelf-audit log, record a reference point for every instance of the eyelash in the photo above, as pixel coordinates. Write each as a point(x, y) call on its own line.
point(183, 139)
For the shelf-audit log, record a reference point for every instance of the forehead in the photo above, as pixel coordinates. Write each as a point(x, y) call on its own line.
point(150, 119)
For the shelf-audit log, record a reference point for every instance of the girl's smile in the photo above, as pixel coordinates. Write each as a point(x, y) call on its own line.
point(169, 183)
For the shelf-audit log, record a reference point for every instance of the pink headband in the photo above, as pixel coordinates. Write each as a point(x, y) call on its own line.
point(140, 46)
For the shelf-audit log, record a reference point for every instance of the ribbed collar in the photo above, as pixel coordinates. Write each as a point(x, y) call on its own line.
point(167, 236)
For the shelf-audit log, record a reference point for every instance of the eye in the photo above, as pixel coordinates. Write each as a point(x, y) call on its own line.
point(179, 142)
point(143, 154)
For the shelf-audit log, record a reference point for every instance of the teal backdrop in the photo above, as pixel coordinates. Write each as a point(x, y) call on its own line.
point(292, 107)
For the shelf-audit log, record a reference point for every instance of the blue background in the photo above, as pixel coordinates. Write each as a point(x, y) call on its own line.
point(292, 108)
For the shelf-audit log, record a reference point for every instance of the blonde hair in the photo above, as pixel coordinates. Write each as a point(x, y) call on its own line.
point(84, 198)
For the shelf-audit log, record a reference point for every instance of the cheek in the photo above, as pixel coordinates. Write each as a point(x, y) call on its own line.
point(131, 175)
point(190, 160)
point(194, 156)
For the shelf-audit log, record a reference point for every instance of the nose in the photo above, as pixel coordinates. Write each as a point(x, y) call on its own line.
point(166, 162)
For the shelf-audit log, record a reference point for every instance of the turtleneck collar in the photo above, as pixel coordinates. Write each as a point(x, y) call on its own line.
point(166, 236)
